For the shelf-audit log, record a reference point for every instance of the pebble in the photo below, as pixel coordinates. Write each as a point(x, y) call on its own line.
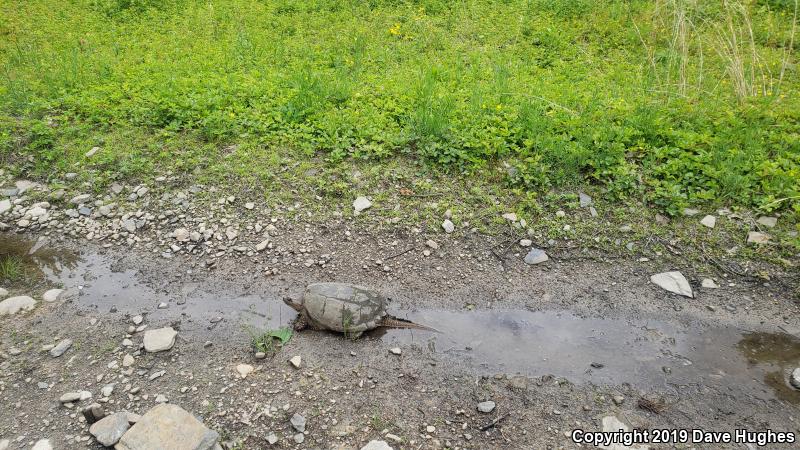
point(755, 237)
point(432, 244)
point(161, 398)
point(376, 445)
point(61, 348)
point(52, 295)
point(396, 350)
point(525, 242)
point(584, 199)
point(272, 439)
point(560, 213)
point(673, 282)
point(299, 438)
point(159, 340)
point(709, 221)
point(536, 256)
point(511, 217)
point(769, 222)
point(795, 378)
point(110, 429)
point(448, 226)
point(361, 203)
point(244, 370)
point(249, 205)
point(296, 361)
point(42, 444)
point(708, 283)
point(298, 422)
point(486, 407)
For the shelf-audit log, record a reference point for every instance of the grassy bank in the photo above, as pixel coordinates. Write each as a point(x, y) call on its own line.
point(674, 102)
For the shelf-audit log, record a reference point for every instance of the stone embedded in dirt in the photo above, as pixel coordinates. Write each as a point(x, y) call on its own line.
point(584, 199)
point(432, 244)
point(673, 282)
point(536, 256)
point(3, 292)
point(79, 199)
point(377, 445)
point(794, 379)
point(5, 205)
point(161, 398)
point(298, 422)
point(244, 370)
point(525, 242)
point(137, 320)
point(709, 221)
point(181, 235)
point(168, 426)
point(618, 399)
point(42, 444)
point(61, 348)
point(14, 305)
point(361, 203)
point(662, 220)
point(299, 438)
point(708, 283)
point(296, 361)
point(486, 407)
point(71, 397)
point(110, 429)
point(107, 390)
point(689, 212)
point(769, 222)
point(249, 205)
point(262, 245)
point(755, 237)
point(395, 350)
point(52, 295)
point(128, 360)
point(92, 152)
point(93, 413)
point(159, 340)
point(511, 217)
point(611, 424)
point(272, 439)
point(448, 226)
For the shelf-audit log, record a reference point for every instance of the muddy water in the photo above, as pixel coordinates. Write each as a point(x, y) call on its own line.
point(645, 353)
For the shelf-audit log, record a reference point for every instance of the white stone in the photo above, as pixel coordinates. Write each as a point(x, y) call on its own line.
point(249, 205)
point(709, 221)
point(244, 370)
point(525, 242)
point(448, 226)
point(159, 340)
point(14, 305)
point(673, 282)
point(361, 203)
point(396, 350)
point(181, 234)
point(795, 378)
point(128, 360)
point(92, 152)
point(262, 245)
point(52, 295)
point(42, 444)
point(61, 348)
point(708, 283)
point(486, 407)
point(432, 244)
point(511, 217)
point(5, 205)
point(377, 445)
point(296, 361)
point(298, 422)
point(536, 256)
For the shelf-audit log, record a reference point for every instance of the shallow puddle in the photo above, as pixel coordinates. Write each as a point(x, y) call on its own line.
point(645, 353)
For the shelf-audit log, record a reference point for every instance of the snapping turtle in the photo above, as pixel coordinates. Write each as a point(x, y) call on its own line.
point(346, 308)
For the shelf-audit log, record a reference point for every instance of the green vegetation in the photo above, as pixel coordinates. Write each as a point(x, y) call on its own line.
point(265, 342)
point(11, 268)
point(674, 102)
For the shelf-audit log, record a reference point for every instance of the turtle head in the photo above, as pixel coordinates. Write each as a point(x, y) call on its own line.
point(296, 306)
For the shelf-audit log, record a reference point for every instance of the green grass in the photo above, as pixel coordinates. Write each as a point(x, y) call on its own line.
point(266, 342)
point(674, 102)
point(11, 269)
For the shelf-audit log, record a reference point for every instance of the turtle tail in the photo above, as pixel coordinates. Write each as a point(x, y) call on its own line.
point(394, 322)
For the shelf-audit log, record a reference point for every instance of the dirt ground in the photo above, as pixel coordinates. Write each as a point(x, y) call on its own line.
point(556, 346)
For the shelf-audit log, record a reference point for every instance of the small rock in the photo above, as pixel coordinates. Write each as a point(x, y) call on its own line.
point(448, 226)
point(79, 199)
point(377, 445)
point(92, 152)
point(161, 398)
point(298, 422)
point(272, 439)
point(395, 351)
point(52, 295)
point(110, 429)
point(299, 438)
point(708, 283)
point(5, 205)
point(137, 320)
point(61, 348)
point(70, 397)
point(486, 407)
point(3, 292)
point(244, 370)
point(618, 400)
point(249, 205)
point(795, 378)
point(661, 220)
point(430, 429)
point(560, 214)
point(755, 237)
point(536, 256)
point(159, 340)
point(511, 217)
point(689, 212)
point(296, 361)
point(709, 221)
point(585, 200)
point(525, 242)
point(128, 360)
point(181, 235)
point(42, 444)
point(769, 222)
point(673, 282)
point(361, 203)
point(93, 413)
point(432, 244)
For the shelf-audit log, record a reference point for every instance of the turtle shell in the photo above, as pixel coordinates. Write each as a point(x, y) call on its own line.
point(344, 307)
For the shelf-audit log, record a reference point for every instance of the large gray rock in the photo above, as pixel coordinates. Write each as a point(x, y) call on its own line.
point(14, 305)
point(674, 282)
point(168, 427)
point(5, 205)
point(110, 429)
point(159, 340)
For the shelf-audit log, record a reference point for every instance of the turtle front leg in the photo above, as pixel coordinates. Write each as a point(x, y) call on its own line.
point(301, 322)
